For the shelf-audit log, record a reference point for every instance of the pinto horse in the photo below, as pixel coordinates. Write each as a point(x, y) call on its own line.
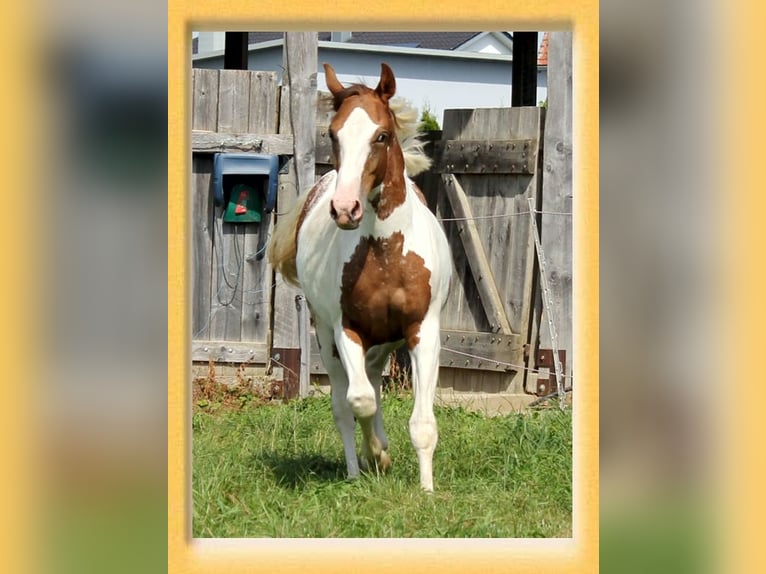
point(374, 265)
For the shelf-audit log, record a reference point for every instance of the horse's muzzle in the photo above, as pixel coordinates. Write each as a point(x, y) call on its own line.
point(347, 215)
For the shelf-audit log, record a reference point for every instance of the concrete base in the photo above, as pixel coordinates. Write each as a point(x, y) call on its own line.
point(490, 404)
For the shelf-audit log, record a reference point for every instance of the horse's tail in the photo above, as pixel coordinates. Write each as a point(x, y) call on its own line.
point(283, 247)
point(407, 122)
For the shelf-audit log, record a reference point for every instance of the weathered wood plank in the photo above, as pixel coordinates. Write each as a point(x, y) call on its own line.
point(229, 351)
point(487, 156)
point(202, 244)
point(233, 101)
point(301, 59)
point(556, 230)
point(204, 99)
point(477, 258)
point(264, 103)
point(213, 142)
point(276, 144)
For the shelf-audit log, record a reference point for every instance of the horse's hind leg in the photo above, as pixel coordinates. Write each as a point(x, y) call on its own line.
point(374, 363)
point(344, 418)
point(425, 374)
point(375, 441)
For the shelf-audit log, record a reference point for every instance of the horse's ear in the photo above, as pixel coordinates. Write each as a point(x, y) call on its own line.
point(331, 79)
point(387, 85)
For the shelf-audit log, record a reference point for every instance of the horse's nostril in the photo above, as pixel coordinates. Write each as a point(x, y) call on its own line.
point(356, 212)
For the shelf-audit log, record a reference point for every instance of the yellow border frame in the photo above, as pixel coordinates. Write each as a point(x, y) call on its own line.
point(578, 554)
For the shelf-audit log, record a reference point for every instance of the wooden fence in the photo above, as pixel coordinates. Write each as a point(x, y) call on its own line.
point(487, 163)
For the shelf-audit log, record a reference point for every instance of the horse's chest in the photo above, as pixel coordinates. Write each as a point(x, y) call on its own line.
point(385, 293)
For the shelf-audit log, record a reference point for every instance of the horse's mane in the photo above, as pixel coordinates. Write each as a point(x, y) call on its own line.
point(407, 123)
point(283, 247)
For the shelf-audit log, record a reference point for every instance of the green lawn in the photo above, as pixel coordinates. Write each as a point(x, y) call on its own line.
point(277, 470)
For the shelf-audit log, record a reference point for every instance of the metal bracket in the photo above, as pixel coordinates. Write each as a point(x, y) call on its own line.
point(546, 378)
point(290, 361)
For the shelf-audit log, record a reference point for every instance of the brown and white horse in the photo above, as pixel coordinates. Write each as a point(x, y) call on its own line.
point(374, 265)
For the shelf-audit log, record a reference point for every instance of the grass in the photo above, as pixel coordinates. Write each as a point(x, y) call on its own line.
point(277, 470)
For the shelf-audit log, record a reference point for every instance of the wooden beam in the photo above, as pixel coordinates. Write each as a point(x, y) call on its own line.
point(524, 76)
point(215, 142)
point(229, 352)
point(517, 157)
point(476, 256)
point(277, 144)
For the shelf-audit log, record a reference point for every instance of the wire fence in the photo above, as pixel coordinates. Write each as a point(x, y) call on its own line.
point(231, 278)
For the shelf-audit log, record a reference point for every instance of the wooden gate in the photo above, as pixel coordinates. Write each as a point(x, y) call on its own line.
point(486, 166)
point(231, 277)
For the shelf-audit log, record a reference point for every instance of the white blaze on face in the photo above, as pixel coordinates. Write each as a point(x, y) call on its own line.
point(354, 148)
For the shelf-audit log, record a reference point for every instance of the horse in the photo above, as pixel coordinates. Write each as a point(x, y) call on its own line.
point(374, 265)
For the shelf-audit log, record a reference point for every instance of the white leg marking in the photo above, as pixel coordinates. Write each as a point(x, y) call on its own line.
point(425, 374)
point(361, 395)
point(344, 418)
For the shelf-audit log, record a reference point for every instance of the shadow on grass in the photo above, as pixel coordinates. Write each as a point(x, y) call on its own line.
point(294, 470)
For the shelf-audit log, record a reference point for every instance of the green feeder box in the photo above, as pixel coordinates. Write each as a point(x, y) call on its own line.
point(245, 205)
point(245, 185)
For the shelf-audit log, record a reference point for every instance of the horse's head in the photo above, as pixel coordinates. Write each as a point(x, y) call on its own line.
point(363, 133)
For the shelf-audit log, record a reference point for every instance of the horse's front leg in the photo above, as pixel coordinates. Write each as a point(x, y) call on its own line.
point(344, 418)
point(361, 396)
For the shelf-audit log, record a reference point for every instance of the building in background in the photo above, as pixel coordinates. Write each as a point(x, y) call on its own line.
point(434, 70)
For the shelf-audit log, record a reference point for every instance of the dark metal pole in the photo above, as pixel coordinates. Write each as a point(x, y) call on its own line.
point(235, 51)
point(524, 79)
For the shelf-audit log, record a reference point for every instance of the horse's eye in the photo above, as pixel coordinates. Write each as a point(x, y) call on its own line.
point(382, 138)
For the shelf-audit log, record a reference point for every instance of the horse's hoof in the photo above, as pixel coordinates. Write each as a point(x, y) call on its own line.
point(384, 461)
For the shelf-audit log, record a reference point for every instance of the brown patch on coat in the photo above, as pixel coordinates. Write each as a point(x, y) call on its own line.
point(385, 293)
point(394, 192)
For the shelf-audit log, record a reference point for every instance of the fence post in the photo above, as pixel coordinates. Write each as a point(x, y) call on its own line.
point(300, 77)
point(556, 219)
